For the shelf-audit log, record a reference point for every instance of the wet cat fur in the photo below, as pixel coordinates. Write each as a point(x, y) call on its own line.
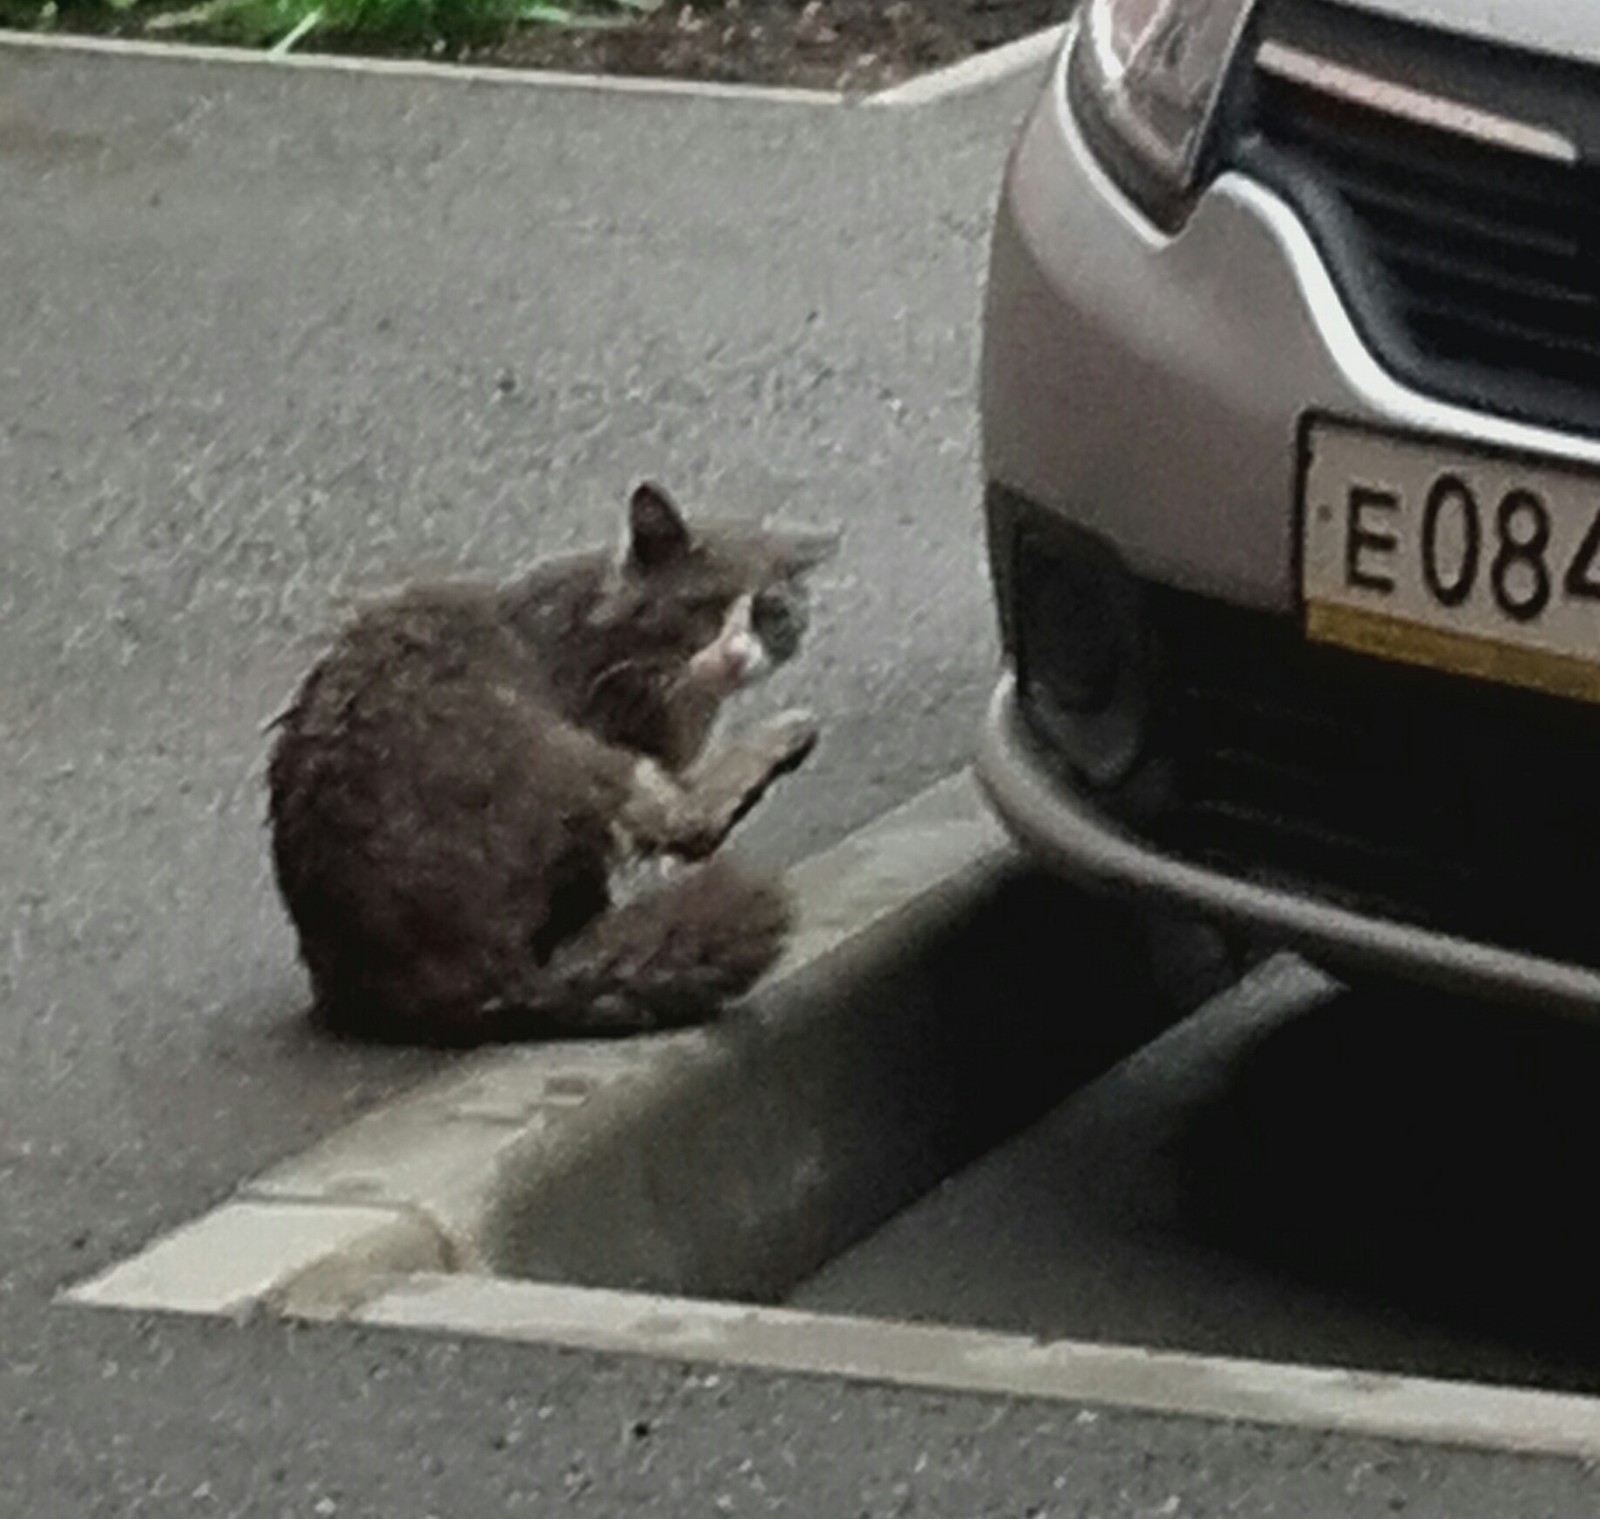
point(458, 779)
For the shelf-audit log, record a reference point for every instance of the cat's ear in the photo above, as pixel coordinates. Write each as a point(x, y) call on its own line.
point(807, 549)
point(657, 533)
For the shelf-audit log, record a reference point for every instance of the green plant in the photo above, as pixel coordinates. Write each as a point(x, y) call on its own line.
point(284, 23)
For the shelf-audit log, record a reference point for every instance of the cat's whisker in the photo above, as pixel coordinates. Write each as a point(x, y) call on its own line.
point(620, 667)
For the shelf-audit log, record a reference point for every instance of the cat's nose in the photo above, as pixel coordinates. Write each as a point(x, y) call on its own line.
point(729, 663)
point(743, 657)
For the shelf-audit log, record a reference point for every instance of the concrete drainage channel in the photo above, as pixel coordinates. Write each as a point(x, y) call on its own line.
point(658, 1197)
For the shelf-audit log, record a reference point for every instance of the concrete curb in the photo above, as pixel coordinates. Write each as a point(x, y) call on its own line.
point(530, 1139)
point(974, 73)
point(408, 68)
point(970, 74)
point(1410, 1409)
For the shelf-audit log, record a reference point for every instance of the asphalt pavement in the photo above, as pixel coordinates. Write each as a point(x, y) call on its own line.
point(267, 335)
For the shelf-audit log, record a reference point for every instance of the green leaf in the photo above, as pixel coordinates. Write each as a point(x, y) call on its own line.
point(307, 24)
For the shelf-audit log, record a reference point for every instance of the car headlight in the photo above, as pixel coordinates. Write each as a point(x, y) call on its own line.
point(1146, 77)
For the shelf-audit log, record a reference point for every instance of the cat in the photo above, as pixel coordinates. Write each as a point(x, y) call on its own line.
point(457, 782)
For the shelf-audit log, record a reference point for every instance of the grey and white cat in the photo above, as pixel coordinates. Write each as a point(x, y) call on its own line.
point(459, 778)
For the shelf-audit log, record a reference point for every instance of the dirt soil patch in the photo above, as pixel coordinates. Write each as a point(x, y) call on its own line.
point(850, 45)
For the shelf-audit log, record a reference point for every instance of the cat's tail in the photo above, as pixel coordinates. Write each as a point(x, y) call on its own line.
point(666, 960)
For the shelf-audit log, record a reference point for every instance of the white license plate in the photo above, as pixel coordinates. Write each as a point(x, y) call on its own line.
point(1452, 556)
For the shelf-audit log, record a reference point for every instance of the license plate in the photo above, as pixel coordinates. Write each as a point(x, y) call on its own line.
point(1452, 556)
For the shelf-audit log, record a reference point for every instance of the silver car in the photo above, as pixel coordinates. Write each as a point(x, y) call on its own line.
point(1291, 421)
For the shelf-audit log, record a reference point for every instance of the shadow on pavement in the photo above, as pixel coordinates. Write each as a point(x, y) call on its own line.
point(1427, 1155)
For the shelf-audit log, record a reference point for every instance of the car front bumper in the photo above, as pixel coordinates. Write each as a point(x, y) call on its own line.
point(1071, 835)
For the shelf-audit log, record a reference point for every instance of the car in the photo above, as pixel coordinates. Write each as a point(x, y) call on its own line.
point(1290, 418)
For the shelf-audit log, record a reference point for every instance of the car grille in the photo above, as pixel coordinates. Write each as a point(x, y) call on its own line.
point(1473, 270)
point(1439, 801)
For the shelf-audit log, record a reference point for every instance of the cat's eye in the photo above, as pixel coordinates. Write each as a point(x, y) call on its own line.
point(781, 600)
point(778, 617)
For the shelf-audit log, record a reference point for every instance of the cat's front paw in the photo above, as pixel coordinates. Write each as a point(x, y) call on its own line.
point(791, 736)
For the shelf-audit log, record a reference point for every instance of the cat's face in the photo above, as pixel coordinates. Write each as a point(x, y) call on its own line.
point(722, 602)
